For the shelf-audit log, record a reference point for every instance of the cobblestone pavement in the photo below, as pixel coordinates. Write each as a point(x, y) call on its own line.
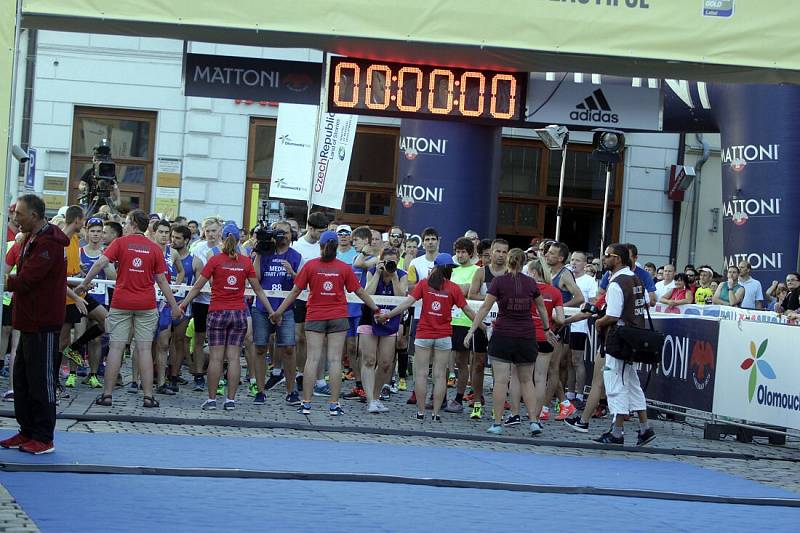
point(775, 465)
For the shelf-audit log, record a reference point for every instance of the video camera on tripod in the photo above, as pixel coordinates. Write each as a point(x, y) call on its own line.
point(269, 212)
point(100, 179)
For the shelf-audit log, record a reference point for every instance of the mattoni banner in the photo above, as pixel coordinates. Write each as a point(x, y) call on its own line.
point(250, 78)
point(332, 159)
point(758, 373)
point(294, 152)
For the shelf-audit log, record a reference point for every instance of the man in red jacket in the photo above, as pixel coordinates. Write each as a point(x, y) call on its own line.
point(39, 288)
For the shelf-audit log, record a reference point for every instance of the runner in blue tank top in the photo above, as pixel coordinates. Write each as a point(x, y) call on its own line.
point(180, 238)
point(163, 229)
point(563, 280)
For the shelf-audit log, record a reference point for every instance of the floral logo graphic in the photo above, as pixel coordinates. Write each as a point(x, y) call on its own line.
point(759, 366)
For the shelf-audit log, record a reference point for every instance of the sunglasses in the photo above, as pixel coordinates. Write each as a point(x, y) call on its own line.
point(343, 233)
point(396, 235)
point(610, 255)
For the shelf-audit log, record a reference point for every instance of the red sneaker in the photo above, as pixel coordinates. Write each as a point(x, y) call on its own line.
point(14, 442)
point(356, 394)
point(566, 412)
point(544, 416)
point(37, 447)
point(412, 399)
point(469, 396)
point(506, 405)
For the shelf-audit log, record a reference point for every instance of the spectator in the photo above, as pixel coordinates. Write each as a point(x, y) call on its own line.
point(651, 269)
point(753, 294)
point(681, 294)
point(667, 283)
point(729, 292)
point(791, 301)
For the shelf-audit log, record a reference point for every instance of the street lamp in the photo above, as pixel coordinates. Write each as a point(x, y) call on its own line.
point(607, 145)
point(557, 138)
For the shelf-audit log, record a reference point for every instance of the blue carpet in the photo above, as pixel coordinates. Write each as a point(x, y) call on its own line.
point(103, 503)
point(73, 502)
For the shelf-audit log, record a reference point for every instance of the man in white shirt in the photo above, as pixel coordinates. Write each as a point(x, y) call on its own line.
point(421, 266)
point(667, 284)
point(753, 294)
point(576, 372)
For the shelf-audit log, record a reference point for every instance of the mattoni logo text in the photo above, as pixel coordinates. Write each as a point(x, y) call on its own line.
point(740, 210)
point(738, 157)
point(595, 108)
point(415, 146)
point(762, 261)
point(410, 194)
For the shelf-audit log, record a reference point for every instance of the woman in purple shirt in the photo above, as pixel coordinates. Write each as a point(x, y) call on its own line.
point(513, 343)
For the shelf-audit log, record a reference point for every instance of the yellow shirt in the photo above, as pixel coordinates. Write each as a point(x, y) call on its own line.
point(73, 254)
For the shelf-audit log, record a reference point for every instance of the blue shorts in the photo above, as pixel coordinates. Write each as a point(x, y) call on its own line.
point(263, 328)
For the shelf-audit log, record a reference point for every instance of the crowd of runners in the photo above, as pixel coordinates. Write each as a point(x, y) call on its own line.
point(178, 295)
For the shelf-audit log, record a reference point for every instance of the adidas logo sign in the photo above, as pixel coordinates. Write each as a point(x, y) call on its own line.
point(595, 108)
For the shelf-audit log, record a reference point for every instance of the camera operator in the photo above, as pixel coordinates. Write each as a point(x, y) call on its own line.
point(98, 184)
point(276, 265)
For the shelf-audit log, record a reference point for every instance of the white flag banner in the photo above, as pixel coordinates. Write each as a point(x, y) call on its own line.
point(294, 151)
point(332, 159)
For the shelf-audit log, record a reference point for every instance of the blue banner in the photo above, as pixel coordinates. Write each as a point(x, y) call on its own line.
point(447, 178)
point(760, 156)
point(685, 376)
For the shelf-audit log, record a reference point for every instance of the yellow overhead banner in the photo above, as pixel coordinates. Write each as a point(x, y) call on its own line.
point(8, 12)
point(713, 40)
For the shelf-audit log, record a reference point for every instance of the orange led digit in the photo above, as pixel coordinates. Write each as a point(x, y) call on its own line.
point(340, 78)
point(385, 83)
point(434, 90)
point(401, 84)
point(462, 101)
point(512, 96)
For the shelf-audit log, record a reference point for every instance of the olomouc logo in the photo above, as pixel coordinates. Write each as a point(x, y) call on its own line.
point(757, 366)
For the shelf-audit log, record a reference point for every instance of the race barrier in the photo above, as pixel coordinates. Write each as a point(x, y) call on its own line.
point(758, 373)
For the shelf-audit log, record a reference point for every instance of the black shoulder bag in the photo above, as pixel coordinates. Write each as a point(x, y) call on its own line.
point(636, 345)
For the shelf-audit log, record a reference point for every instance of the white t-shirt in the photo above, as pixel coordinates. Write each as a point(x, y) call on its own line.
point(588, 286)
point(752, 293)
point(422, 267)
point(663, 288)
point(307, 250)
point(204, 252)
point(615, 299)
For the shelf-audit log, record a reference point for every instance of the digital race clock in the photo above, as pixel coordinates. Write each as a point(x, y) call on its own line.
point(366, 87)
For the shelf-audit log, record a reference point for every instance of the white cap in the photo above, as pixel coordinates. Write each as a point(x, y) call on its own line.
point(344, 227)
point(62, 211)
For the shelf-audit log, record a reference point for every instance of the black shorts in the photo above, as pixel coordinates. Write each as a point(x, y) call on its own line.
point(577, 340)
point(513, 349)
point(73, 316)
point(7, 315)
point(299, 312)
point(563, 334)
point(544, 347)
point(479, 341)
point(200, 315)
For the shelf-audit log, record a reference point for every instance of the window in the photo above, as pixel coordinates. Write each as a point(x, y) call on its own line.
point(519, 172)
point(131, 135)
point(528, 201)
point(583, 177)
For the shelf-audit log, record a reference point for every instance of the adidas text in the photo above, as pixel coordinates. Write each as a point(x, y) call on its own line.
point(595, 116)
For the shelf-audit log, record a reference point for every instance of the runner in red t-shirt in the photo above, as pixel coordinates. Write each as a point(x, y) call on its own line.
point(227, 313)
point(434, 330)
point(326, 278)
point(133, 307)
